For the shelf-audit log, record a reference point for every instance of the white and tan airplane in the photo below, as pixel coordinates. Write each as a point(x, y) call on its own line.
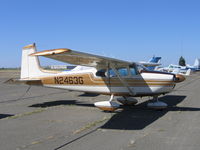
point(100, 75)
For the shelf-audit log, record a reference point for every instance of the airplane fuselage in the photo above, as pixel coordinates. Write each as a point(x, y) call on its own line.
point(143, 84)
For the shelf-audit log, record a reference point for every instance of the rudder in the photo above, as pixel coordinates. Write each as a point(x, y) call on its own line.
point(30, 66)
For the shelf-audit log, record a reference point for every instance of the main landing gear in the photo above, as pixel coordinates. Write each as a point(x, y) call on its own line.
point(107, 105)
point(112, 106)
point(156, 104)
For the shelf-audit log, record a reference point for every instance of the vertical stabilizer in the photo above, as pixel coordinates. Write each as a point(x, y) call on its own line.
point(197, 63)
point(30, 66)
point(155, 59)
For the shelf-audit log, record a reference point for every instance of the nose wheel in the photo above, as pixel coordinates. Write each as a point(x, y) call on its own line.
point(156, 104)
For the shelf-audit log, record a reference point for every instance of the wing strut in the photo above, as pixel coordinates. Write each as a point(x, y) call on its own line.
point(123, 81)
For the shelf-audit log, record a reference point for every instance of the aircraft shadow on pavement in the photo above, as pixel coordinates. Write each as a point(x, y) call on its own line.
point(5, 116)
point(130, 117)
point(139, 116)
point(61, 102)
point(89, 95)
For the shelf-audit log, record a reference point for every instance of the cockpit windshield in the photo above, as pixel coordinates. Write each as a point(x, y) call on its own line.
point(133, 70)
point(141, 68)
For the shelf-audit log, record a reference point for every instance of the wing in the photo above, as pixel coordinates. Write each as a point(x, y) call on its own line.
point(149, 64)
point(80, 58)
point(176, 71)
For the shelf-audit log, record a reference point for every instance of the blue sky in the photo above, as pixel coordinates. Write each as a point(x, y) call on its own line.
point(131, 30)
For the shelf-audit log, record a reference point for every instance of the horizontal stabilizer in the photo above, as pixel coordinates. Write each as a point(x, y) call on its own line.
point(22, 81)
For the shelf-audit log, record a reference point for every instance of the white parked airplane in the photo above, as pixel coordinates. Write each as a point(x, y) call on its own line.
point(101, 75)
point(183, 70)
point(175, 69)
point(178, 71)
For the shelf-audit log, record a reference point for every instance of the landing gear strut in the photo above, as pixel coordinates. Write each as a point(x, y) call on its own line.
point(156, 104)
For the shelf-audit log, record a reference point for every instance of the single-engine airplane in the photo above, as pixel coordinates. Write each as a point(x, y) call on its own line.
point(102, 75)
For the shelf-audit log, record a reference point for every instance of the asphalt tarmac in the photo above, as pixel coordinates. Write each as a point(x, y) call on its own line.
point(38, 118)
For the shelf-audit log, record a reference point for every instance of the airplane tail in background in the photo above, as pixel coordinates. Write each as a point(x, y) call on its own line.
point(197, 63)
point(155, 59)
point(30, 66)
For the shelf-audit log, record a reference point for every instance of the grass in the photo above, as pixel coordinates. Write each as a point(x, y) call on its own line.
point(27, 113)
point(90, 125)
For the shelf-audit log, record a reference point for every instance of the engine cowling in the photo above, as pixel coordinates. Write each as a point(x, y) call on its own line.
point(107, 105)
point(179, 78)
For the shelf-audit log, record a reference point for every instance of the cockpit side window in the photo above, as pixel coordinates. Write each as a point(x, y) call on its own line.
point(111, 73)
point(133, 71)
point(141, 68)
point(123, 71)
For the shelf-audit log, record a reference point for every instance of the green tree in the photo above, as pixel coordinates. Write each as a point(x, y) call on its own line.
point(182, 61)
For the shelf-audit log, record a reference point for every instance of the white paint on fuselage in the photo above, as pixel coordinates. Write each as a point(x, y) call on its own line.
point(151, 89)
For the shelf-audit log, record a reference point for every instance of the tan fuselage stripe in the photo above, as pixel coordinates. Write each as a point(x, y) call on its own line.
point(90, 80)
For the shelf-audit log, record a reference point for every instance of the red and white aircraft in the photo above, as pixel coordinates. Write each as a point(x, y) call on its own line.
point(100, 75)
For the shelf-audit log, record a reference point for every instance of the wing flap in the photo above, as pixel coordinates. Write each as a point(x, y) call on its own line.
point(150, 64)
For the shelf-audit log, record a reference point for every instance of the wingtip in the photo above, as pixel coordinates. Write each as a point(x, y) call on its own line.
point(29, 46)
